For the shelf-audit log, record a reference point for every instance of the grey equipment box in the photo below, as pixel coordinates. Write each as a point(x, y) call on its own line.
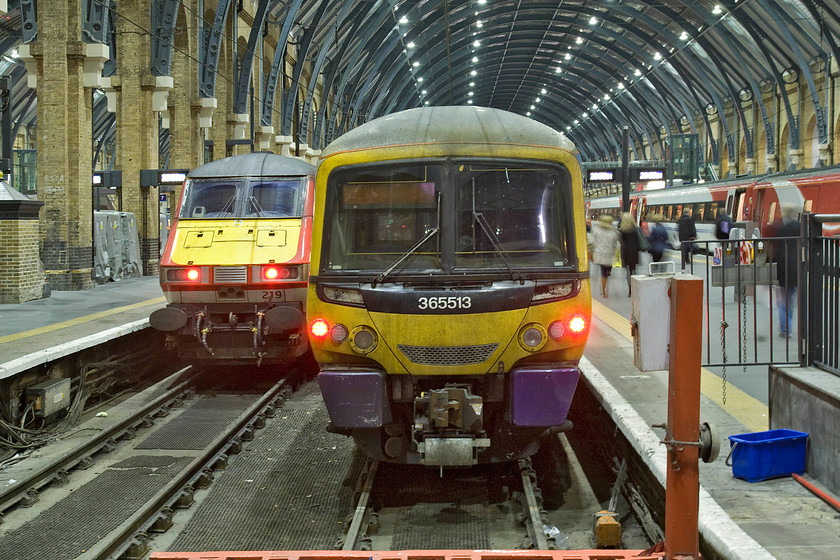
point(50, 396)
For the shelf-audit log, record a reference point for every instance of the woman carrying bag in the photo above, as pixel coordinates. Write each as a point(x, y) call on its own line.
point(632, 242)
point(603, 242)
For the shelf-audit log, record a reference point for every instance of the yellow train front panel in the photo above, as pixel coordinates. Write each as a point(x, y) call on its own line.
point(449, 297)
point(236, 263)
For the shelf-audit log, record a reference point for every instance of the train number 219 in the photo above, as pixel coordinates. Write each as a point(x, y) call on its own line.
point(444, 302)
point(273, 295)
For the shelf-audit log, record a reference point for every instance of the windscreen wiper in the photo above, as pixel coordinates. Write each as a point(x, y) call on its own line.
point(494, 240)
point(256, 205)
point(404, 256)
point(431, 233)
point(228, 207)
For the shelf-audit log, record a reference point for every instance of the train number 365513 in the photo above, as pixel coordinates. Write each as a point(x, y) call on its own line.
point(444, 302)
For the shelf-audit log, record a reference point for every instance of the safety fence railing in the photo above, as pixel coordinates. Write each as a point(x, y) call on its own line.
point(750, 301)
point(773, 300)
point(820, 298)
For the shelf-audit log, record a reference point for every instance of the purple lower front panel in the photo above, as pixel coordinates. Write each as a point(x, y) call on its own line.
point(355, 398)
point(541, 396)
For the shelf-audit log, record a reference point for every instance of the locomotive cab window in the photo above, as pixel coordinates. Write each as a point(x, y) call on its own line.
point(244, 198)
point(275, 198)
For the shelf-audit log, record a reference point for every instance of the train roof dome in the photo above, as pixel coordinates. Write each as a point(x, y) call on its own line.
point(455, 124)
point(255, 164)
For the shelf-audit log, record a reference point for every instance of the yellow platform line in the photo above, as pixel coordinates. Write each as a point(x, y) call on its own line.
point(79, 320)
point(745, 408)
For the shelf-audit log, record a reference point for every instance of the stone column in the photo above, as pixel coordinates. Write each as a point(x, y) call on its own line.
point(56, 62)
point(20, 278)
point(186, 138)
point(137, 130)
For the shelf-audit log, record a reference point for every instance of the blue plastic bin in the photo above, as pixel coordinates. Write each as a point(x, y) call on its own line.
point(761, 455)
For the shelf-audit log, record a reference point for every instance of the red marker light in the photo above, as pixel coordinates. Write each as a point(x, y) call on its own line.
point(193, 274)
point(271, 273)
point(319, 328)
point(577, 324)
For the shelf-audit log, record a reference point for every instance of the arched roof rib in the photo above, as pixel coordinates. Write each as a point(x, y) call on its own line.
point(359, 50)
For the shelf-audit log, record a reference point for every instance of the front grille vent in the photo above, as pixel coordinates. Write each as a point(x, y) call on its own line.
point(230, 274)
point(448, 355)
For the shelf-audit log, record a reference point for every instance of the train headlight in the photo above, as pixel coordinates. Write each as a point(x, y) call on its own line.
point(319, 328)
point(557, 330)
point(532, 337)
point(339, 333)
point(363, 340)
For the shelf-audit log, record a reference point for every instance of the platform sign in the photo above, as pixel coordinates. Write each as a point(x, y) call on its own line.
point(650, 174)
point(601, 176)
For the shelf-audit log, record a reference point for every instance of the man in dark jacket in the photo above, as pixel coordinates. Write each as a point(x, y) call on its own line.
point(687, 233)
point(786, 267)
point(723, 224)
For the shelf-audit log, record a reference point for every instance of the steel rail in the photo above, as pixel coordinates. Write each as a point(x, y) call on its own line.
point(41, 477)
point(120, 538)
point(355, 529)
point(533, 520)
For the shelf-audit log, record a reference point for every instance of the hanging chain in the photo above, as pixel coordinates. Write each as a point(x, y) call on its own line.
point(744, 330)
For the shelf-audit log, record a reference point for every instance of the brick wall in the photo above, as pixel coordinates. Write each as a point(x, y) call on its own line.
point(20, 278)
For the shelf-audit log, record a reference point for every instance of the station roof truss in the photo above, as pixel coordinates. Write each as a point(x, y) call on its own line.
point(587, 68)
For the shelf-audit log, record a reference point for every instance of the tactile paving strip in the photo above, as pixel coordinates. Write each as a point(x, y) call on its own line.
point(200, 424)
point(288, 489)
point(73, 525)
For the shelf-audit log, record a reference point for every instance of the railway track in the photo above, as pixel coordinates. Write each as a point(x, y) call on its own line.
point(25, 490)
point(149, 500)
point(484, 507)
point(294, 486)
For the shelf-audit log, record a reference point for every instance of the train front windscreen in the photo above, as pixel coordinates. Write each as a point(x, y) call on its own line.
point(448, 217)
point(243, 197)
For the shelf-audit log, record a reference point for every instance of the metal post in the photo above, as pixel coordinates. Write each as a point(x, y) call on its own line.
point(6, 130)
point(682, 482)
point(808, 256)
point(625, 170)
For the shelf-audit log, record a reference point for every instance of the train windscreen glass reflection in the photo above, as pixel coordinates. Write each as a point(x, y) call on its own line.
point(446, 216)
point(246, 198)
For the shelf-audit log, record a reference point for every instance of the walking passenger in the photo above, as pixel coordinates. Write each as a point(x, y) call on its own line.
point(658, 238)
point(630, 245)
point(786, 267)
point(603, 242)
point(687, 232)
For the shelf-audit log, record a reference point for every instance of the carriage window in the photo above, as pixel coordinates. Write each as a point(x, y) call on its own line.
point(699, 212)
point(771, 215)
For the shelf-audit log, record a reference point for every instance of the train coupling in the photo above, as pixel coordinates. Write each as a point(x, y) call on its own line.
point(452, 451)
point(448, 426)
